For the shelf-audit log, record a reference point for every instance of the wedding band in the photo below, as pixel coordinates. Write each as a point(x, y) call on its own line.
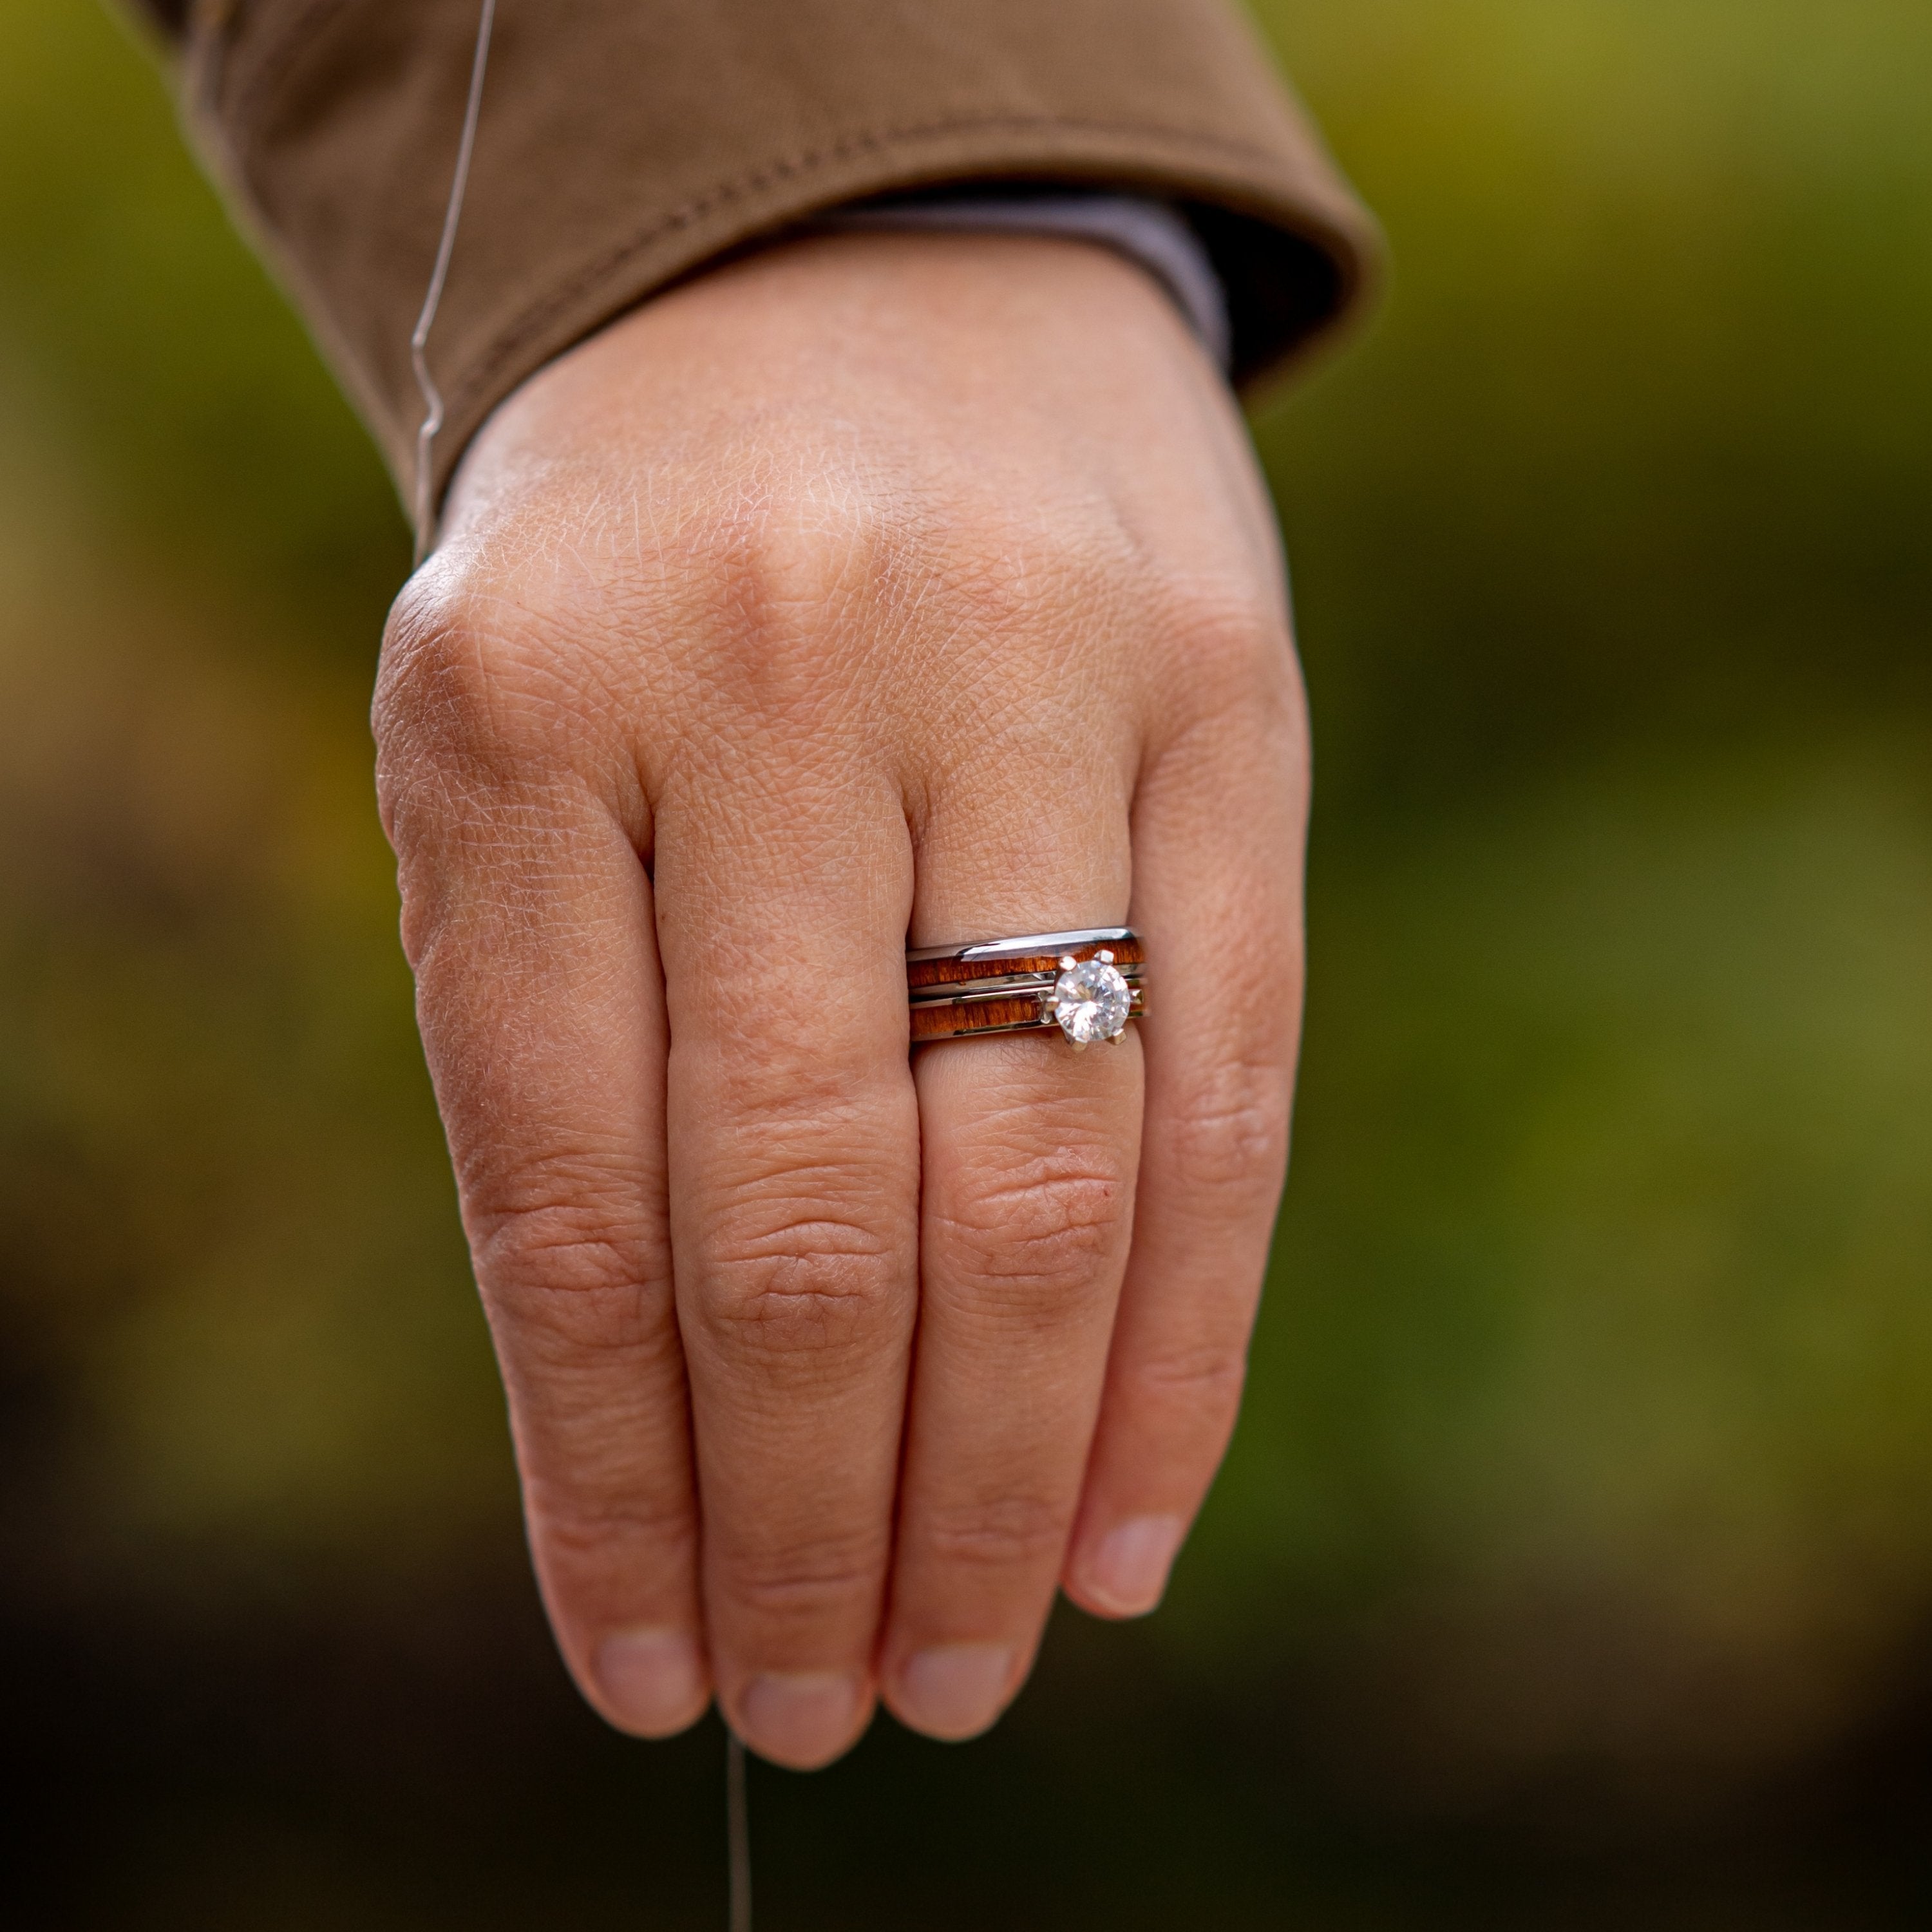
point(1086, 985)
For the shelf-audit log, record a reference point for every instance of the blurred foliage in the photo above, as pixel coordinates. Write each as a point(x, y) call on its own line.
point(1591, 1413)
point(1589, 1458)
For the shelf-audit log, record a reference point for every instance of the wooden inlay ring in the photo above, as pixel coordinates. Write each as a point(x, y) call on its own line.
point(1000, 986)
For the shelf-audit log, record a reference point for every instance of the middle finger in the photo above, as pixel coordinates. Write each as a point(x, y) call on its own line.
point(794, 1181)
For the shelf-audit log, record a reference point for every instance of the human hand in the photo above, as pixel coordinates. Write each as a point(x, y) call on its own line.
point(873, 590)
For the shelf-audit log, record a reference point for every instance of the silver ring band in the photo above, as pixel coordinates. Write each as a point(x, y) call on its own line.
point(1085, 985)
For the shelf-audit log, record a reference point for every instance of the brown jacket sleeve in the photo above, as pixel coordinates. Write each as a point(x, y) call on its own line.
point(624, 143)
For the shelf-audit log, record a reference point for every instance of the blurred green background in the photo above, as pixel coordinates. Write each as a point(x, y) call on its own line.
point(1573, 1564)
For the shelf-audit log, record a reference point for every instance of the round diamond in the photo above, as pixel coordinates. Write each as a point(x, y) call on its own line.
point(1091, 1002)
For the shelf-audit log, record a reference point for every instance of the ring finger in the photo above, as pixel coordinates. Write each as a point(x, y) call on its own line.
point(1029, 1157)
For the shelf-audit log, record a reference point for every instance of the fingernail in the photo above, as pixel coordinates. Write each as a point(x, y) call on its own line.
point(653, 1680)
point(1128, 1573)
point(955, 1689)
point(802, 1718)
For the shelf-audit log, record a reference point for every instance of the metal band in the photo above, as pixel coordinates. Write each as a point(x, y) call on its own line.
point(1029, 985)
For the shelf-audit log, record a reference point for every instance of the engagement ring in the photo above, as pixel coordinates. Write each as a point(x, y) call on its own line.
point(1086, 984)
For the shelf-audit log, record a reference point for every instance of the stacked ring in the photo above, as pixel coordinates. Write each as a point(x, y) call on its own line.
point(1087, 985)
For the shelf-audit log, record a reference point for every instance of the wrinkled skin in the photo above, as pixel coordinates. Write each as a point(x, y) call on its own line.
point(873, 590)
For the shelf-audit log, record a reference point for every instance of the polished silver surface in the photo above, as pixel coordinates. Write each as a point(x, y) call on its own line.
point(1055, 943)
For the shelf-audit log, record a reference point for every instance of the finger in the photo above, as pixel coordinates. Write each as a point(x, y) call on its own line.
point(528, 919)
point(1030, 1156)
point(794, 1179)
point(1219, 832)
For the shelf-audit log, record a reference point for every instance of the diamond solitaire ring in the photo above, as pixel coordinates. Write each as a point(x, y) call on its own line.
point(1087, 985)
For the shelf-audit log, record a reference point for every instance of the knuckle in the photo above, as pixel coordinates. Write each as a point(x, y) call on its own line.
point(782, 563)
point(580, 1268)
point(805, 1581)
point(1206, 1379)
point(582, 1532)
point(469, 680)
point(870, 556)
point(1232, 651)
point(1229, 625)
point(1008, 572)
point(807, 547)
point(1047, 1236)
point(800, 1274)
point(1231, 1135)
point(556, 1252)
point(431, 677)
point(1007, 1532)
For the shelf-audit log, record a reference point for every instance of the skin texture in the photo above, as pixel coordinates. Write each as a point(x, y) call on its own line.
point(874, 590)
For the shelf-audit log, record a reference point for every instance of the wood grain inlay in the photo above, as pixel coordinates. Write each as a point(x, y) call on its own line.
point(950, 1022)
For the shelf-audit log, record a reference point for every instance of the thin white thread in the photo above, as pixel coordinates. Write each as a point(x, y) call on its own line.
point(432, 396)
point(738, 1831)
point(737, 1826)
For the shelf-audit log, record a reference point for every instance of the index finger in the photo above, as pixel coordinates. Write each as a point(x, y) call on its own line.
point(527, 918)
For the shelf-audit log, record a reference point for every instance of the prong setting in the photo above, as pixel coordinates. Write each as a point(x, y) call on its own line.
point(1092, 1001)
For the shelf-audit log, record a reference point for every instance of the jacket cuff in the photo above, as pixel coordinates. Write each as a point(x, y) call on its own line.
point(622, 145)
